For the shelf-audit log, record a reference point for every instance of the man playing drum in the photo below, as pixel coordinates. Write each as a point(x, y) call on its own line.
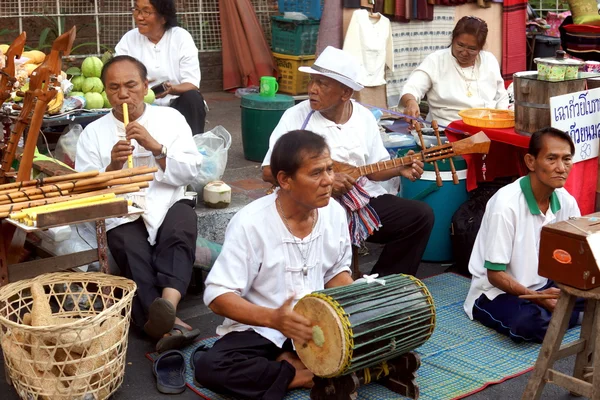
point(504, 262)
point(277, 249)
point(352, 134)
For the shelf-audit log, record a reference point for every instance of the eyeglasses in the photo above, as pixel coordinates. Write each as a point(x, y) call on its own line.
point(145, 13)
point(470, 50)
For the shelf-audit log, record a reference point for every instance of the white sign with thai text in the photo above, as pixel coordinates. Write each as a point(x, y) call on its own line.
point(578, 114)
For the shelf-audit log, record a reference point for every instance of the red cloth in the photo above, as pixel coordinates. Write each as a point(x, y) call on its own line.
point(514, 39)
point(505, 158)
point(245, 51)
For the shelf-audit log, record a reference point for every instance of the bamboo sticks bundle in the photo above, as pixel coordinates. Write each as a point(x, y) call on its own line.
point(79, 187)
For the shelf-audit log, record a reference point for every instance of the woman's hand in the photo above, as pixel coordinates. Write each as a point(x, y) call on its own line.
point(168, 90)
point(412, 109)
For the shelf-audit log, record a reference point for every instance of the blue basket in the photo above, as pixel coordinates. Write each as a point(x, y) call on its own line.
point(311, 8)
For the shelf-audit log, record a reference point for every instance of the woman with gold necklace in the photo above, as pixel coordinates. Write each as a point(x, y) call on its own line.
point(459, 77)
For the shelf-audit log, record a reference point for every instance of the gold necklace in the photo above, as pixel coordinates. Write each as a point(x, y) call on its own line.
point(303, 256)
point(467, 82)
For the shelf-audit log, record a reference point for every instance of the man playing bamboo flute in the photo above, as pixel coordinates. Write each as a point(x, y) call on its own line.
point(155, 250)
point(277, 249)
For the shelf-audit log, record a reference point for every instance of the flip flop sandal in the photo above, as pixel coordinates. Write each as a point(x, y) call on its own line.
point(196, 355)
point(178, 337)
point(161, 318)
point(169, 370)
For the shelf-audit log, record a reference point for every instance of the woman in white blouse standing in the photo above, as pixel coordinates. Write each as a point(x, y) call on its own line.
point(460, 77)
point(171, 57)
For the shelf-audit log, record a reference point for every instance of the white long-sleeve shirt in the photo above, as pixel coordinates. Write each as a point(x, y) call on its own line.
point(357, 142)
point(183, 161)
point(174, 58)
point(370, 41)
point(446, 85)
point(261, 262)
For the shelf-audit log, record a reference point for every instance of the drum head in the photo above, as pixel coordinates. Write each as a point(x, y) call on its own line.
point(327, 360)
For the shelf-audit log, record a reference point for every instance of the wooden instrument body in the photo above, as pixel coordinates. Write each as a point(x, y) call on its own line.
point(7, 75)
point(567, 254)
point(41, 91)
point(478, 143)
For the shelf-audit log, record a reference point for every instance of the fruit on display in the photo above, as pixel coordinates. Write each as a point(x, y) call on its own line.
point(23, 89)
point(93, 100)
point(91, 67)
point(106, 102)
point(73, 94)
point(55, 105)
point(149, 97)
point(34, 56)
point(92, 85)
point(29, 68)
point(4, 48)
point(77, 82)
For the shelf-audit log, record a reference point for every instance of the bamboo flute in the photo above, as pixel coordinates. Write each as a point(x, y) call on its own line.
point(6, 209)
point(118, 181)
point(51, 179)
point(125, 123)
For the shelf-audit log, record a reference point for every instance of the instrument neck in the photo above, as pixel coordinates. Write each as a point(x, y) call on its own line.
point(389, 164)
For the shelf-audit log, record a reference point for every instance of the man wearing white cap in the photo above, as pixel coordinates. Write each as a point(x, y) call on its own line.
point(352, 133)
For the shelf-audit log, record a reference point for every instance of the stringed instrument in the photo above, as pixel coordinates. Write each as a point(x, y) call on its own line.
point(7, 74)
point(478, 143)
point(41, 91)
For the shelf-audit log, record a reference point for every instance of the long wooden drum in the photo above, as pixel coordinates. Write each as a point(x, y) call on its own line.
point(532, 100)
point(363, 324)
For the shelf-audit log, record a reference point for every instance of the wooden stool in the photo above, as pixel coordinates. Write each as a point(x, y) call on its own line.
point(584, 347)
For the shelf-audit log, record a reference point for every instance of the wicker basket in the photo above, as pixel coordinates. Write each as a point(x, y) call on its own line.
point(488, 118)
point(76, 352)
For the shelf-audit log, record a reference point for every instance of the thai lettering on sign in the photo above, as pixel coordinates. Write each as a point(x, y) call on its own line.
point(578, 114)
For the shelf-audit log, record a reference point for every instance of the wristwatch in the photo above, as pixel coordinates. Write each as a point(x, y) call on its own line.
point(163, 153)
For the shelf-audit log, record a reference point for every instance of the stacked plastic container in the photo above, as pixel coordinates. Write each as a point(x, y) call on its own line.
point(294, 42)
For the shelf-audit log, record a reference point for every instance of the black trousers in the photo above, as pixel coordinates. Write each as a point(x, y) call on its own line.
point(167, 264)
point(406, 226)
point(191, 105)
point(243, 364)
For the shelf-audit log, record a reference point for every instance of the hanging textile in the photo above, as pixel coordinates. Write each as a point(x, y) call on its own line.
point(413, 42)
point(331, 29)
point(246, 53)
point(514, 39)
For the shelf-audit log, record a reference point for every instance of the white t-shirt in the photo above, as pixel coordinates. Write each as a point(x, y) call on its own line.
point(446, 85)
point(370, 41)
point(174, 58)
point(510, 236)
point(183, 161)
point(357, 142)
point(260, 260)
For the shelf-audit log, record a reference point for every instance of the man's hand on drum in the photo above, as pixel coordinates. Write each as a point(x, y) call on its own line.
point(342, 184)
point(414, 171)
point(291, 324)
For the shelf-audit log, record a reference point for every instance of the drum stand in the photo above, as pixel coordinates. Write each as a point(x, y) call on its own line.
point(401, 378)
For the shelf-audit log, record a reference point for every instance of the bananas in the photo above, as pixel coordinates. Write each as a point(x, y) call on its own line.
point(55, 105)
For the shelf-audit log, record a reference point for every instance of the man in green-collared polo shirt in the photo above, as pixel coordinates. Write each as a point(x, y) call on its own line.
point(504, 262)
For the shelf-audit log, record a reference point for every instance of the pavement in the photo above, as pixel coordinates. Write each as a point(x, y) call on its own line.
point(244, 178)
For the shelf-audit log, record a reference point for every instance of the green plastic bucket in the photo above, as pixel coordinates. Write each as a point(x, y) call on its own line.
point(443, 200)
point(260, 115)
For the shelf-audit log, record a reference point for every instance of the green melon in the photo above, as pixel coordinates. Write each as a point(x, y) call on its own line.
point(149, 97)
point(91, 67)
point(92, 85)
point(106, 102)
point(93, 100)
point(77, 82)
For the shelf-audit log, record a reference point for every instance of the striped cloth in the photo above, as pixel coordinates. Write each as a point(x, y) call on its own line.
point(413, 42)
point(514, 39)
point(362, 218)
